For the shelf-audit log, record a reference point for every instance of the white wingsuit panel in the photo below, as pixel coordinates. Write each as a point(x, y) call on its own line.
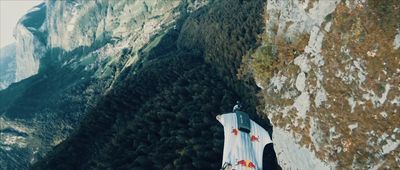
point(243, 150)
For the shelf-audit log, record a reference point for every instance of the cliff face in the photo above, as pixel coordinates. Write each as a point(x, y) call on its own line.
point(329, 71)
point(150, 76)
point(7, 66)
point(72, 24)
point(87, 23)
point(30, 42)
point(21, 60)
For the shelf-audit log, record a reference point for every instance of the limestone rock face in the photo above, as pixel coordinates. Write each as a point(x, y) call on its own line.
point(7, 66)
point(30, 42)
point(72, 24)
point(330, 76)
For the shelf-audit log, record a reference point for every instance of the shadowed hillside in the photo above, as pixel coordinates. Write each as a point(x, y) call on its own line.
point(160, 113)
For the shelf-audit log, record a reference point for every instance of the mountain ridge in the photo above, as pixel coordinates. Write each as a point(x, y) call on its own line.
point(137, 84)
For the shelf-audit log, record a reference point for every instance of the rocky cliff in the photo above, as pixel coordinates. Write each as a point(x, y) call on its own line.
point(30, 42)
point(139, 83)
point(21, 59)
point(7, 66)
point(329, 71)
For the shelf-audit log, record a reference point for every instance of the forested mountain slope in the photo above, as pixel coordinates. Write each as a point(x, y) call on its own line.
point(148, 107)
point(160, 113)
point(80, 58)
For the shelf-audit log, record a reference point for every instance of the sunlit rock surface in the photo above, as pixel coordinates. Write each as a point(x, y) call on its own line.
point(7, 66)
point(335, 86)
point(30, 42)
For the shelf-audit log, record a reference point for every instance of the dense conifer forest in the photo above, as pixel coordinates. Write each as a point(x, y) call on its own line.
point(160, 114)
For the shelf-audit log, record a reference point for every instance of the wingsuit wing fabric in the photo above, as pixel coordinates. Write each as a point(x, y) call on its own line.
point(244, 151)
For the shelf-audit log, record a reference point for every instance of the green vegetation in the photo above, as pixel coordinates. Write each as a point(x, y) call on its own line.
point(328, 18)
point(163, 117)
point(263, 61)
point(384, 8)
point(222, 33)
